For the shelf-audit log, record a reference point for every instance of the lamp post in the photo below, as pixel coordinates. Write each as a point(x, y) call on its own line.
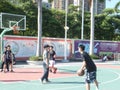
point(39, 39)
point(66, 29)
point(92, 27)
point(96, 6)
point(82, 27)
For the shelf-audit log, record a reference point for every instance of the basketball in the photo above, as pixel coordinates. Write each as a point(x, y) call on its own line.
point(80, 72)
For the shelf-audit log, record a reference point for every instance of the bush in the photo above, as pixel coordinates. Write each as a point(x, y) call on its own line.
point(94, 56)
point(35, 58)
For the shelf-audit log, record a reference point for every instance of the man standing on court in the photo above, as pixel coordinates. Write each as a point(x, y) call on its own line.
point(90, 67)
point(45, 64)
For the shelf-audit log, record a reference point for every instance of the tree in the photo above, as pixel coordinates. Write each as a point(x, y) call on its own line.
point(10, 9)
point(105, 25)
point(30, 10)
point(50, 1)
point(117, 7)
point(53, 23)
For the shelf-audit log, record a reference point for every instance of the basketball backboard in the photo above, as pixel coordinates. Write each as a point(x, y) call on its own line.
point(8, 20)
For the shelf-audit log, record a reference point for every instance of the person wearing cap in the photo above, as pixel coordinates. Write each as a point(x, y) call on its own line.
point(45, 64)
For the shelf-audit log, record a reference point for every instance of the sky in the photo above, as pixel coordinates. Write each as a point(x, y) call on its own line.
point(45, 0)
point(111, 3)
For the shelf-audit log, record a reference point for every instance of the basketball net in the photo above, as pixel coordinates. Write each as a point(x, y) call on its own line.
point(15, 29)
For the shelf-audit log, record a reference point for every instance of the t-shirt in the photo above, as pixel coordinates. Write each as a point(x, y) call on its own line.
point(52, 53)
point(45, 55)
point(8, 54)
point(90, 66)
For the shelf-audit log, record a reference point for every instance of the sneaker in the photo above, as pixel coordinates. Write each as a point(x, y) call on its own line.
point(50, 70)
point(41, 80)
point(11, 71)
point(4, 71)
point(97, 89)
point(55, 70)
point(1, 70)
point(47, 81)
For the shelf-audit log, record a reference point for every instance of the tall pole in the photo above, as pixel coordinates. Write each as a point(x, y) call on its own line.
point(82, 27)
point(66, 29)
point(39, 39)
point(92, 27)
point(96, 6)
point(2, 41)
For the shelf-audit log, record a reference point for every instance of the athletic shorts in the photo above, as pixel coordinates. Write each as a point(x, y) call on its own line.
point(90, 77)
point(8, 61)
point(52, 62)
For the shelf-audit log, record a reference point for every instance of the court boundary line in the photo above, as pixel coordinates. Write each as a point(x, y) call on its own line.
point(34, 83)
point(30, 82)
point(109, 81)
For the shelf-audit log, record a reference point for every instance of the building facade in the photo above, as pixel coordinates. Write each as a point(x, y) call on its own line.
point(98, 6)
point(60, 4)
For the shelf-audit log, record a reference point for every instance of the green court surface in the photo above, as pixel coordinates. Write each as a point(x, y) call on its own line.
point(108, 76)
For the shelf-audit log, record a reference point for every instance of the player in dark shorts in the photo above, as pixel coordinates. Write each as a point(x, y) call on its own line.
point(90, 67)
point(8, 59)
point(5, 49)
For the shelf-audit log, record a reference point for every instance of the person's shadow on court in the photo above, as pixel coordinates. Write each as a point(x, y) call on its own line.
point(59, 82)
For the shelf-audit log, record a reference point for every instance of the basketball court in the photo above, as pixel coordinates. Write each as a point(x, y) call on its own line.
point(27, 77)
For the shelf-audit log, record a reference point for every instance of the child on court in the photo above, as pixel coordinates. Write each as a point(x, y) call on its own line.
point(52, 67)
point(90, 67)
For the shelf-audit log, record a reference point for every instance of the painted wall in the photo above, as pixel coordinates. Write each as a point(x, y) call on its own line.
point(24, 47)
point(100, 47)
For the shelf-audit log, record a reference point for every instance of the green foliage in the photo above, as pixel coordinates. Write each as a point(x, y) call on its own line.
point(35, 58)
point(94, 56)
point(53, 21)
point(50, 1)
point(31, 13)
point(72, 8)
point(117, 7)
point(6, 7)
point(9, 8)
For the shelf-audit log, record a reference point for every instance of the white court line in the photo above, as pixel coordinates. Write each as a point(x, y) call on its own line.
point(64, 88)
point(106, 82)
point(28, 81)
point(110, 81)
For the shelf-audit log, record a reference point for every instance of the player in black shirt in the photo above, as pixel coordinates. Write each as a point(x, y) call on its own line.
point(52, 60)
point(90, 67)
point(8, 59)
point(3, 62)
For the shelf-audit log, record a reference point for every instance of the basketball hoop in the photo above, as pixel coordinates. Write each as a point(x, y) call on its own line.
point(15, 29)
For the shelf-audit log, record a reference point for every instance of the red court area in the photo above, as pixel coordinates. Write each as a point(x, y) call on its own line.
point(108, 66)
point(25, 74)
